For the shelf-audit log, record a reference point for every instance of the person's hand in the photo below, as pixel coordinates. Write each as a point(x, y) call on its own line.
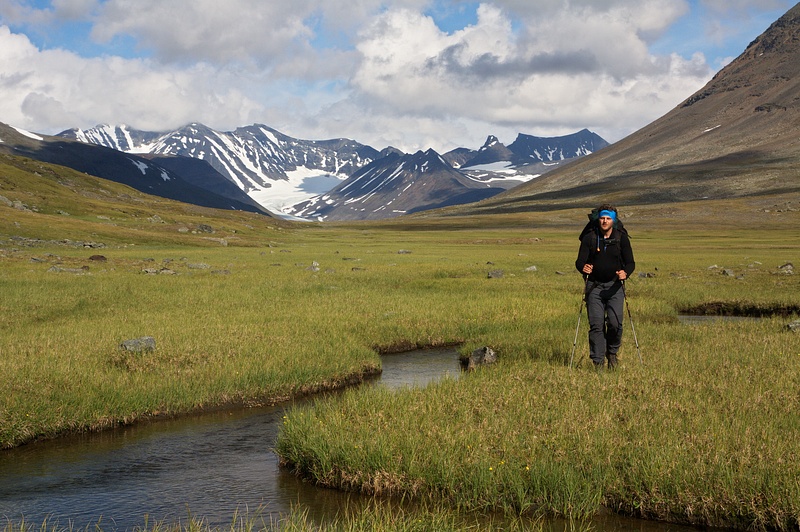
point(622, 275)
point(587, 268)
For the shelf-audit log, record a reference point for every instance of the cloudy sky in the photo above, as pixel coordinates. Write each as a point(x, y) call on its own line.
point(414, 74)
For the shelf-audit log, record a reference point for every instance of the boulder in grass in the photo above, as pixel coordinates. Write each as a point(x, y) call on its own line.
point(144, 344)
point(479, 357)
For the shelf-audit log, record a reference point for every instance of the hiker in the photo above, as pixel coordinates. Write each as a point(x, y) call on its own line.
point(605, 259)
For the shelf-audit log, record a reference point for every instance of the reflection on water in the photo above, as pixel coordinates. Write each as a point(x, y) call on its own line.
point(418, 368)
point(212, 466)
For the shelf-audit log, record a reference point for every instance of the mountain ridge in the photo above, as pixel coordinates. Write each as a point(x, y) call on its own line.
point(283, 174)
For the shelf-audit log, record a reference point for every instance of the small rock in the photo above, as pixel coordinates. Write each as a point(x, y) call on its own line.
point(479, 357)
point(139, 345)
point(531, 269)
point(495, 274)
point(404, 252)
point(58, 269)
point(794, 326)
point(98, 258)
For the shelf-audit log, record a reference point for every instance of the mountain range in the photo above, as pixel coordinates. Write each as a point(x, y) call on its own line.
point(315, 179)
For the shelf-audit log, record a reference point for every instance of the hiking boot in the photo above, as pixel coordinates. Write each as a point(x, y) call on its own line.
point(598, 365)
point(612, 360)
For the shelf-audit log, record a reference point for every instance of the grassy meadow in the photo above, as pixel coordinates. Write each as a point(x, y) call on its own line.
point(706, 431)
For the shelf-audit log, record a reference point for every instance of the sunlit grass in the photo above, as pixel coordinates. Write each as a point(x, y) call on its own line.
point(705, 431)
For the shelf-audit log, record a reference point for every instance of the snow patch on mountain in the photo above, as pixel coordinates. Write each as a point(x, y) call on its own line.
point(28, 134)
point(300, 185)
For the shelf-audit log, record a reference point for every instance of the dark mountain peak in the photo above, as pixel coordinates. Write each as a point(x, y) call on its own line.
point(425, 161)
point(546, 149)
point(491, 142)
point(391, 150)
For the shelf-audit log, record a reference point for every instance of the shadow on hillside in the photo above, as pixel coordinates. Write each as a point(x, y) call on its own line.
point(724, 177)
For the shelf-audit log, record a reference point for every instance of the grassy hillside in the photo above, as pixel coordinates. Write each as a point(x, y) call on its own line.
point(51, 202)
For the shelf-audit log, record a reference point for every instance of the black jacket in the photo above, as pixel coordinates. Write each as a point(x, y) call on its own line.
point(607, 255)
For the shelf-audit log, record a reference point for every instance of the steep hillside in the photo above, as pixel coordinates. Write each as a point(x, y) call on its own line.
point(739, 136)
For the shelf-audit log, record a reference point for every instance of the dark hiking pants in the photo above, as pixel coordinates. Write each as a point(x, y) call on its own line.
point(604, 304)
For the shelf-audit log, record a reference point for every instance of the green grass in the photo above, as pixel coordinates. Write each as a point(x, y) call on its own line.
point(376, 515)
point(705, 432)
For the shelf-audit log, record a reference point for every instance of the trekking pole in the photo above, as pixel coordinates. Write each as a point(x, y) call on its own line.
point(575, 341)
point(578, 326)
point(630, 318)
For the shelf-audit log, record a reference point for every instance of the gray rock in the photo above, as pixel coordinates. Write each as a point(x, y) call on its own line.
point(479, 357)
point(794, 326)
point(495, 274)
point(531, 269)
point(59, 269)
point(143, 344)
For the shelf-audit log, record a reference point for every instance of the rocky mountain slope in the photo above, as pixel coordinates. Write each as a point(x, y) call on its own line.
point(396, 185)
point(739, 136)
point(130, 169)
point(272, 168)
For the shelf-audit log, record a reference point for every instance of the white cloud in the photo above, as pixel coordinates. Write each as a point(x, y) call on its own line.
point(53, 90)
point(565, 73)
point(379, 71)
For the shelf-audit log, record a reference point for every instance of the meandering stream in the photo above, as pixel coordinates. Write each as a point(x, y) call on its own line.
point(212, 466)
